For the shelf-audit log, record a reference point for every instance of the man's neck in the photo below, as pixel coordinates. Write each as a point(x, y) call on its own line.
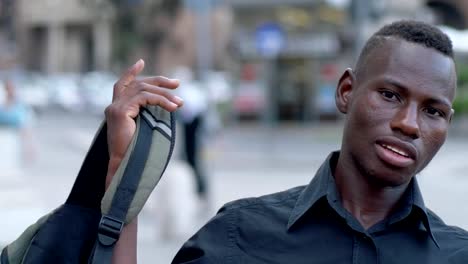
point(368, 202)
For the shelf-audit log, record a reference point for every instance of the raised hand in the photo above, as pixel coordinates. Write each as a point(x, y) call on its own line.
point(129, 95)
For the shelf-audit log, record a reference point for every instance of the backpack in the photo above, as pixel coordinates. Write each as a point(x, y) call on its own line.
point(86, 227)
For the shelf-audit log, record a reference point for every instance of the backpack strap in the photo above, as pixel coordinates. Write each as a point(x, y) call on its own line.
point(148, 156)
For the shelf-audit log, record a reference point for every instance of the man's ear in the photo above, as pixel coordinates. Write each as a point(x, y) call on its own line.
point(344, 90)
point(452, 113)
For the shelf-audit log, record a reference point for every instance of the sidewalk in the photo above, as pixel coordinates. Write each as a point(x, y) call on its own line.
point(19, 205)
point(243, 161)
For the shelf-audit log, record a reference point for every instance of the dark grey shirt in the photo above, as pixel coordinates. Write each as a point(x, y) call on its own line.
point(308, 224)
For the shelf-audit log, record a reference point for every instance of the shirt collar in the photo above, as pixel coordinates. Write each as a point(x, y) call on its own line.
point(320, 187)
point(415, 200)
point(316, 189)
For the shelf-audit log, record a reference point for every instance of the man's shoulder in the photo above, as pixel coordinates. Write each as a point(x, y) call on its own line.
point(286, 198)
point(447, 235)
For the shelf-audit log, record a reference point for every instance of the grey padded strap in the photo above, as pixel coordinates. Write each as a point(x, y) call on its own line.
point(112, 223)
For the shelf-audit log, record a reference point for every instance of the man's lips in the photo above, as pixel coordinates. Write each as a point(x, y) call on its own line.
point(396, 152)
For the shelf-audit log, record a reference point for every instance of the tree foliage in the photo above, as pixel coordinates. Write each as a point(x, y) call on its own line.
point(140, 24)
point(460, 105)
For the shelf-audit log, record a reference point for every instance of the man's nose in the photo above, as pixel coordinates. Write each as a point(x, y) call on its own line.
point(406, 121)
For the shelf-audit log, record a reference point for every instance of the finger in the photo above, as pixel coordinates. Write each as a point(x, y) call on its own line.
point(128, 76)
point(145, 87)
point(162, 82)
point(146, 98)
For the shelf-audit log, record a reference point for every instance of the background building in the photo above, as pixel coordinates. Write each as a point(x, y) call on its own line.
point(283, 56)
point(64, 36)
point(453, 13)
point(287, 53)
point(7, 34)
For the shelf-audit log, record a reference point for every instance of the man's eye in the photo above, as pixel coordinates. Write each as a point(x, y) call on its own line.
point(389, 95)
point(433, 111)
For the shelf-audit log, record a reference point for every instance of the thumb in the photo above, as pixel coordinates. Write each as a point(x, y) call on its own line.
point(129, 75)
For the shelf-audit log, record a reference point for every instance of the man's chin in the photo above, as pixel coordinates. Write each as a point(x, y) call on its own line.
point(391, 179)
point(382, 174)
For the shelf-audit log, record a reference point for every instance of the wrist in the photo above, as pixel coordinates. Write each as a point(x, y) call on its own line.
point(114, 163)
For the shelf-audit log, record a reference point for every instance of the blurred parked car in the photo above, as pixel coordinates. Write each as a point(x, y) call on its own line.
point(218, 87)
point(96, 90)
point(64, 92)
point(250, 96)
point(249, 100)
point(219, 94)
point(32, 90)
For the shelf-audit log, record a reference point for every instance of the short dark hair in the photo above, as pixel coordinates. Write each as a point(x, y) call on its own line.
point(412, 31)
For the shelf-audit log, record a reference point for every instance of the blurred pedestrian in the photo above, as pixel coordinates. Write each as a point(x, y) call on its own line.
point(15, 128)
point(192, 117)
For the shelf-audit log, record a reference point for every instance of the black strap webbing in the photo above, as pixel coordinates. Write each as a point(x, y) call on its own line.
point(4, 257)
point(89, 186)
point(111, 224)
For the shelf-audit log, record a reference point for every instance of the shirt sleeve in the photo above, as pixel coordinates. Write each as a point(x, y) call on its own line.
point(213, 243)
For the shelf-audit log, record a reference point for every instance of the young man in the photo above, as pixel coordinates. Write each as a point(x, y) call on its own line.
point(364, 204)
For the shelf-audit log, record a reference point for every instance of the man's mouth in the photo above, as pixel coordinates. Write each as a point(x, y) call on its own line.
point(396, 150)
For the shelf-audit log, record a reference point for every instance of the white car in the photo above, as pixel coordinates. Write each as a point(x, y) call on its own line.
point(64, 92)
point(96, 90)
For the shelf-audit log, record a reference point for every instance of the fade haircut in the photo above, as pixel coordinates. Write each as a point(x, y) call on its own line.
point(408, 30)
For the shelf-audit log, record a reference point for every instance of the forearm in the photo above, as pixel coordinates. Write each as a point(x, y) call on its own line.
point(125, 250)
point(129, 95)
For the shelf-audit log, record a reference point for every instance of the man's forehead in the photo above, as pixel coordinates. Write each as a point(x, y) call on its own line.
point(413, 65)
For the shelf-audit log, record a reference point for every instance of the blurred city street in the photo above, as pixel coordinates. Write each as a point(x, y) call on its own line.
point(242, 160)
point(266, 68)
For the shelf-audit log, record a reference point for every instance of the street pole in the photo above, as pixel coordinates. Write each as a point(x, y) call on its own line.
point(360, 13)
point(204, 56)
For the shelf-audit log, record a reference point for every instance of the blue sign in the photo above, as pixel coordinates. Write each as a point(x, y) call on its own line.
point(269, 39)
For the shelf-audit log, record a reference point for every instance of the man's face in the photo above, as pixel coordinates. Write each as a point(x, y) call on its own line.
point(398, 111)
